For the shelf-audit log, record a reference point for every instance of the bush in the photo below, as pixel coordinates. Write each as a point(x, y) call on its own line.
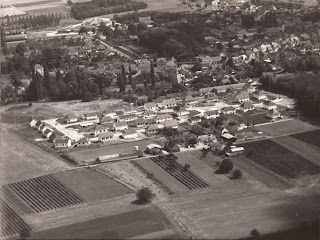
point(225, 166)
point(144, 195)
point(255, 233)
point(236, 174)
point(30, 104)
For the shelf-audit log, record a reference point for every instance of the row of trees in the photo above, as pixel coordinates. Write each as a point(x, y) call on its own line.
point(98, 7)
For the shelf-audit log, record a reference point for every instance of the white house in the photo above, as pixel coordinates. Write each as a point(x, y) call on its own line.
point(83, 142)
point(100, 129)
point(91, 116)
point(228, 110)
point(180, 111)
point(171, 124)
point(152, 128)
point(130, 134)
point(246, 106)
point(171, 102)
point(259, 95)
point(33, 122)
point(273, 114)
point(163, 117)
point(189, 100)
point(105, 136)
point(70, 118)
point(149, 114)
point(211, 114)
point(269, 105)
point(127, 118)
point(150, 106)
point(242, 97)
point(118, 126)
point(62, 143)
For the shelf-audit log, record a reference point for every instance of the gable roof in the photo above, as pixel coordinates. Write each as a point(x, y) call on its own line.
point(83, 140)
point(62, 140)
point(120, 124)
point(106, 135)
point(47, 131)
point(269, 103)
point(150, 105)
point(213, 112)
point(38, 123)
point(247, 104)
point(101, 127)
point(128, 116)
point(170, 101)
point(179, 109)
point(171, 123)
point(164, 116)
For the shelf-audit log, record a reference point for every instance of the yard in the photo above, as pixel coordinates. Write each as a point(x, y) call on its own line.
point(91, 185)
point(279, 159)
point(126, 225)
point(312, 137)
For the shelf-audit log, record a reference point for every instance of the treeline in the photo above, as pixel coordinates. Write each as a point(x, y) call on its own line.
point(303, 63)
point(99, 7)
point(304, 88)
point(313, 16)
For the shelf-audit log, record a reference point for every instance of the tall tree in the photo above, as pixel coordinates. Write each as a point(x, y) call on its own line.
point(123, 73)
point(152, 75)
point(130, 75)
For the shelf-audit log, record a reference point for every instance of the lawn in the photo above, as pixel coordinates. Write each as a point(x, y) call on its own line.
point(91, 185)
point(279, 159)
point(312, 137)
point(121, 226)
point(256, 118)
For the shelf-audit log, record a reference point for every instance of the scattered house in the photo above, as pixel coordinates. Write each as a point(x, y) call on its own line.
point(154, 149)
point(38, 124)
point(70, 118)
point(171, 102)
point(194, 119)
point(39, 69)
point(128, 118)
point(33, 122)
point(106, 119)
point(171, 147)
point(119, 126)
point(91, 116)
point(259, 95)
point(105, 136)
point(140, 122)
point(269, 105)
point(131, 133)
point(207, 138)
point(152, 128)
point(246, 106)
point(62, 143)
point(180, 111)
point(221, 130)
point(242, 97)
point(211, 97)
point(83, 142)
point(274, 114)
point(228, 110)
point(198, 130)
point(189, 100)
point(150, 106)
point(171, 124)
point(86, 124)
point(211, 114)
point(100, 129)
point(149, 114)
point(47, 133)
point(163, 117)
point(215, 146)
point(228, 137)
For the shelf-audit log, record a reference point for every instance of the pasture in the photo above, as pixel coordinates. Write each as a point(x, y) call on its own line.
point(279, 159)
point(149, 220)
point(91, 185)
point(311, 137)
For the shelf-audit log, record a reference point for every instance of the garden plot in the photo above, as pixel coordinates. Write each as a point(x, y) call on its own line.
point(311, 137)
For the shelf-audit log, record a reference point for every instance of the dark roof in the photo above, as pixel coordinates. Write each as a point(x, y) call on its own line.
point(62, 140)
point(105, 135)
point(198, 130)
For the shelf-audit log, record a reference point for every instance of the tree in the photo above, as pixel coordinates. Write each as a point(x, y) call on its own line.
point(144, 195)
point(25, 233)
point(152, 75)
point(225, 166)
point(236, 174)
point(120, 83)
point(255, 233)
point(124, 76)
point(69, 2)
point(132, 28)
point(130, 75)
point(21, 48)
point(82, 30)
point(186, 167)
point(87, 96)
point(142, 27)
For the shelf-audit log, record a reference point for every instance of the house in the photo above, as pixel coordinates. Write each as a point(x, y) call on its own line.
point(83, 142)
point(242, 97)
point(188, 100)
point(38, 124)
point(269, 105)
point(106, 119)
point(205, 91)
point(274, 114)
point(228, 110)
point(154, 149)
point(246, 106)
point(62, 143)
point(127, 118)
point(39, 69)
point(180, 111)
point(44, 127)
point(131, 133)
point(163, 117)
point(149, 114)
point(100, 129)
point(198, 130)
point(70, 118)
point(215, 146)
point(171, 147)
point(91, 116)
point(221, 130)
point(211, 97)
point(140, 122)
point(118, 126)
point(228, 137)
point(171, 124)
point(259, 95)
point(211, 114)
point(171, 102)
point(150, 106)
point(207, 138)
point(152, 128)
point(47, 133)
point(194, 119)
point(33, 122)
point(224, 88)
point(105, 136)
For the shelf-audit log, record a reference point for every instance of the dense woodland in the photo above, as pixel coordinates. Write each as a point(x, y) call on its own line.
point(102, 7)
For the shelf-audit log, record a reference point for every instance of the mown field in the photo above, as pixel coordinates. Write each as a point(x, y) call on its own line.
point(312, 137)
point(279, 159)
point(121, 226)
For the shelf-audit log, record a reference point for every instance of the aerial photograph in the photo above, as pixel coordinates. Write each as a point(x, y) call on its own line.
point(160, 119)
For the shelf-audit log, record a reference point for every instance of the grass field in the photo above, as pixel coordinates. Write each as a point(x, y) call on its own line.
point(91, 185)
point(279, 159)
point(285, 127)
point(312, 137)
point(121, 226)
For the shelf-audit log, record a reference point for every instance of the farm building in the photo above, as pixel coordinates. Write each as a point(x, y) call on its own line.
point(269, 105)
point(52, 137)
point(228, 137)
point(101, 128)
point(180, 111)
point(47, 133)
point(172, 147)
point(235, 151)
point(83, 142)
point(246, 106)
point(70, 118)
point(274, 114)
point(33, 122)
point(154, 149)
point(91, 116)
point(211, 114)
point(62, 143)
point(171, 124)
point(221, 130)
point(38, 124)
point(228, 110)
point(152, 128)
point(118, 126)
point(163, 117)
point(171, 102)
point(150, 106)
point(131, 133)
point(149, 114)
point(105, 136)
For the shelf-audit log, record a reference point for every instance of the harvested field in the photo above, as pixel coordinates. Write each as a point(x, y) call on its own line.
point(279, 159)
point(11, 222)
point(285, 127)
point(91, 185)
point(160, 174)
point(121, 226)
point(187, 178)
point(312, 137)
point(45, 193)
point(89, 154)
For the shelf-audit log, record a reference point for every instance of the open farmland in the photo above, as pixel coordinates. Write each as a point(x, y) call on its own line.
point(91, 185)
point(311, 137)
point(279, 159)
point(136, 223)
